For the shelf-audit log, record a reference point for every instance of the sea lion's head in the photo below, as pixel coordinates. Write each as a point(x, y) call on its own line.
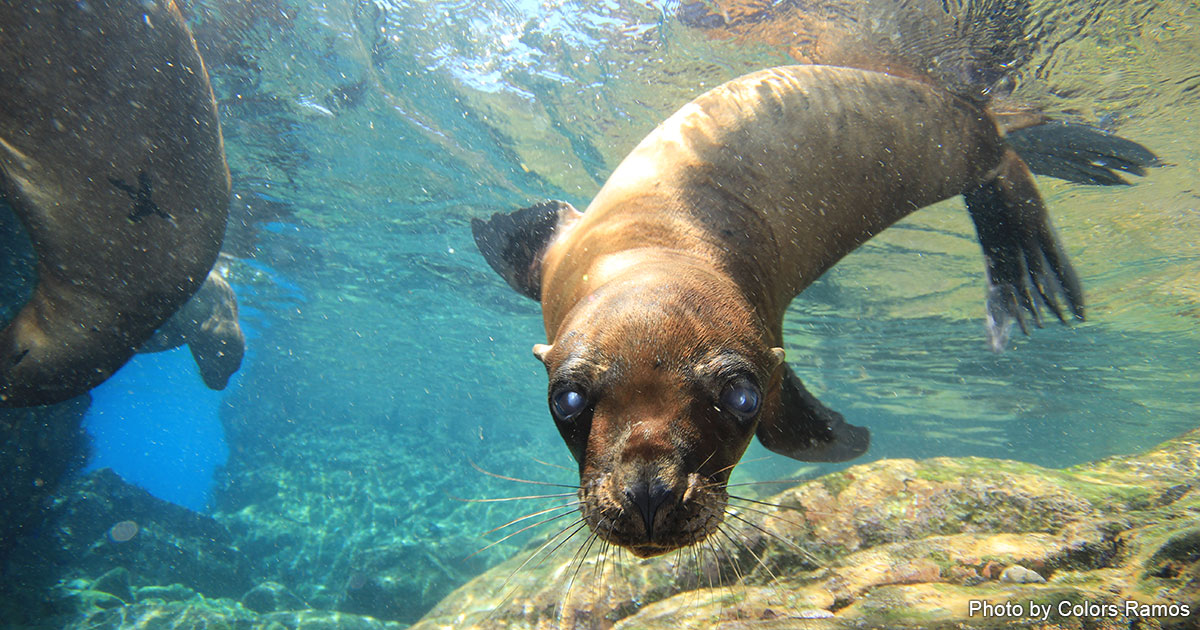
point(657, 395)
point(663, 366)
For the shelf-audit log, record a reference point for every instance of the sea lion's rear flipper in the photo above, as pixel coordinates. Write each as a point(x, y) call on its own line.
point(1026, 265)
point(802, 428)
point(1080, 153)
point(513, 244)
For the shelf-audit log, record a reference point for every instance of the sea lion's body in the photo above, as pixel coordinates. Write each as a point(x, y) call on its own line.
point(663, 302)
point(111, 155)
point(773, 178)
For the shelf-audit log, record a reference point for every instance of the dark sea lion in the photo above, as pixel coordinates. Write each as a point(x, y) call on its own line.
point(111, 155)
point(664, 301)
point(208, 324)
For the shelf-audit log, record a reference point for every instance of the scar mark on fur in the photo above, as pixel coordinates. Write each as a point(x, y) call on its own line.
point(143, 204)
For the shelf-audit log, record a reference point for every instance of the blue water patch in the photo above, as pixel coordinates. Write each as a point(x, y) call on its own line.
point(156, 424)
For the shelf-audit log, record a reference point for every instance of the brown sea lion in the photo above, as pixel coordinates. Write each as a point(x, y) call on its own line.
point(111, 155)
point(664, 301)
point(208, 324)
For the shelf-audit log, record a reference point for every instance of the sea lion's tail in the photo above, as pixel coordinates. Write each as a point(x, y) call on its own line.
point(1026, 266)
point(1080, 153)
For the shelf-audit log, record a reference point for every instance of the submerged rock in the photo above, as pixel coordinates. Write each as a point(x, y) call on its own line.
point(102, 539)
point(940, 543)
point(352, 518)
point(270, 597)
point(1017, 574)
point(200, 612)
point(40, 447)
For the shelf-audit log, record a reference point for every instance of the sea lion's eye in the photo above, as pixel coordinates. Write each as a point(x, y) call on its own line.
point(741, 398)
point(568, 402)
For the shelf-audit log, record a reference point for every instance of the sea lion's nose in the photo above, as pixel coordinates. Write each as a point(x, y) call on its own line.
point(647, 497)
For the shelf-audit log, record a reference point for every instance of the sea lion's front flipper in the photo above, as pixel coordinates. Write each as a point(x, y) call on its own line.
point(513, 244)
point(208, 324)
point(111, 156)
point(1026, 265)
point(802, 428)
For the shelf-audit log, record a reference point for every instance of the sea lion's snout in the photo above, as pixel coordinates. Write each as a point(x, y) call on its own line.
point(653, 514)
point(647, 497)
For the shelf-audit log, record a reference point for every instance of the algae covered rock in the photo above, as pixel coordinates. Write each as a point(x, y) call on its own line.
point(897, 544)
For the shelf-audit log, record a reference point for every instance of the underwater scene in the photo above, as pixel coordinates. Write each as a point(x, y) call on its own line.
point(353, 314)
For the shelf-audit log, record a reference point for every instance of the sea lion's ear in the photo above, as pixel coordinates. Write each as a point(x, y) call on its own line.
point(513, 244)
point(540, 350)
point(778, 356)
point(796, 424)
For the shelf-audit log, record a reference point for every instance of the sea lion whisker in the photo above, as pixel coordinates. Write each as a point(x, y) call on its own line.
point(744, 461)
point(707, 545)
point(736, 564)
point(701, 574)
point(573, 504)
point(804, 552)
point(696, 567)
point(699, 548)
point(790, 508)
point(602, 558)
point(569, 507)
point(756, 483)
point(581, 524)
point(732, 559)
point(578, 524)
point(557, 516)
point(716, 548)
point(781, 506)
point(526, 528)
point(507, 478)
point(577, 560)
point(710, 456)
point(766, 514)
point(773, 584)
point(503, 499)
point(734, 464)
point(743, 576)
point(545, 463)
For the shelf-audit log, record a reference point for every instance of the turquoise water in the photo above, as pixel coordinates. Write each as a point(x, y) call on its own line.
point(377, 133)
point(156, 425)
point(379, 130)
point(363, 137)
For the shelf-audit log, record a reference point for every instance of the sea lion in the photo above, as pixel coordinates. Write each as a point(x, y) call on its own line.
point(208, 324)
point(663, 302)
point(111, 155)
